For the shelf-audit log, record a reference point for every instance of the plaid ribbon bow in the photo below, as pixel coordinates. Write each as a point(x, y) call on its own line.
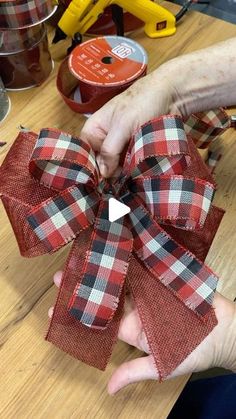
point(152, 186)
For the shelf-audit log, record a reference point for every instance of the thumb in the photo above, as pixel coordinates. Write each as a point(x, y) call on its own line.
point(111, 149)
point(138, 369)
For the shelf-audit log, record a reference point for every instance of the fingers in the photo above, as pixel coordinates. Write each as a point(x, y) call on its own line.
point(111, 149)
point(108, 131)
point(50, 312)
point(94, 132)
point(57, 281)
point(57, 278)
point(133, 371)
point(131, 331)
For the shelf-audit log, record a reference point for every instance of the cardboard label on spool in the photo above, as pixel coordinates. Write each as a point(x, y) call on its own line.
point(108, 61)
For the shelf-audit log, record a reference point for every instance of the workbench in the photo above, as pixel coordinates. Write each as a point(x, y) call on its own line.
point(37, 379)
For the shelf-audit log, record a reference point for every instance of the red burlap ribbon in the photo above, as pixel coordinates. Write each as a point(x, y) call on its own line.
point(173, 289)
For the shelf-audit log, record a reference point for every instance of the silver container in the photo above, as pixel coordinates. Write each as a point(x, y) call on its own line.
point(25, 60)
point(16, 14)
point(4, 102)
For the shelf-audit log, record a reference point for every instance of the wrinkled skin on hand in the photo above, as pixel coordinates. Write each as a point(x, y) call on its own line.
point(218, 349)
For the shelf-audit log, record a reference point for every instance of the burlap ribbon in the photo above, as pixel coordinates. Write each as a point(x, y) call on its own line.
point(172, 288)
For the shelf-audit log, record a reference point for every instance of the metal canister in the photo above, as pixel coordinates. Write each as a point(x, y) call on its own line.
point(4, 102)
point(16, 14)
point(25, 60)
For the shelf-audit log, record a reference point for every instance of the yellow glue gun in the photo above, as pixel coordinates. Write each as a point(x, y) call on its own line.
point(82, 14)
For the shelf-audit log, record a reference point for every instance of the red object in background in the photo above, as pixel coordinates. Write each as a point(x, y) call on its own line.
point(99, 80)
point(105, 24)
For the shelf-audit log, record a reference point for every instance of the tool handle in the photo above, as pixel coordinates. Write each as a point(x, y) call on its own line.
point(82, 14)
point(159, 22)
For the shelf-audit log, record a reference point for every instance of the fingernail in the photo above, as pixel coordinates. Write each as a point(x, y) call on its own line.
point(50, 312)
point(103, 168)
point(111, 391)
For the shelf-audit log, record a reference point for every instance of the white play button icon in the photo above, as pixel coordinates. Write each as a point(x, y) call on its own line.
point(116, 209)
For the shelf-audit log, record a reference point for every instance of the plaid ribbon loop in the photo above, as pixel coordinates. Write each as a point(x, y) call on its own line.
point(176, 200)
point(158, 147)
point(152, 185)
point(60, 160)
point(204, 127)
point(65, 164)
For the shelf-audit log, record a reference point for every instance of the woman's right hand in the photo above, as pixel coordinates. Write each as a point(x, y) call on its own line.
point(110, 128)
point(187, 84)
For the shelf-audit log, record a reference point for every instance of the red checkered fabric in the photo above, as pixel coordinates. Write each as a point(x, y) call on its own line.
point(204, 127)
point(158, 147)
point(169, 285)
point(16, 14)
point(59, 220)
point(60, 160)
point(176, 200)
point(96, 297)
point(177, 268)
point(150, 185)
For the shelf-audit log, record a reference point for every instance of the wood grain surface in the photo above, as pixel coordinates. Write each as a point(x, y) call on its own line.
point(36, 379)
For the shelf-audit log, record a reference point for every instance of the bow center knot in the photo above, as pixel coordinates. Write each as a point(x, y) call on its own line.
point(107, 188)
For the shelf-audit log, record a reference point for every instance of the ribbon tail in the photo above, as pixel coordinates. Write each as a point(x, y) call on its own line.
point(96, 296)
point(177, 268)
point(172, 330)
point(60, 219)
point(65, 331)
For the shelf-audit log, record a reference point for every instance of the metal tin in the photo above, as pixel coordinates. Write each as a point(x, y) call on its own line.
point(16, 14)
point(4, 102)
point(25, 67)
point(16, 40)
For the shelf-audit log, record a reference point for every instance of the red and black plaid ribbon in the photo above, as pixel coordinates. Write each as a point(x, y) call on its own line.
point(152, 186)
point(205, 127)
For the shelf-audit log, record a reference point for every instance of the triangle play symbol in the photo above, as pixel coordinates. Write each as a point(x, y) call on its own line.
point(116, 209)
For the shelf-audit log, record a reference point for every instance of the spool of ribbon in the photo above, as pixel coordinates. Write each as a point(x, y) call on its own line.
point(169, 191)
point(99, 69)
point(16, 14)
point(25, 60)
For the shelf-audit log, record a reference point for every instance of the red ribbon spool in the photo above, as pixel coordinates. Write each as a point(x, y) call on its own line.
point(98, 70)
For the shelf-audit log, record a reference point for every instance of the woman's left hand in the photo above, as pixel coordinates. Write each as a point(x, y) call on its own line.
point(218, 349)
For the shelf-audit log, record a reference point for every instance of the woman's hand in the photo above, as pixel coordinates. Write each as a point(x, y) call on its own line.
point(195, 82)
point(190, 83)
point(110, 128)
point(218, 349)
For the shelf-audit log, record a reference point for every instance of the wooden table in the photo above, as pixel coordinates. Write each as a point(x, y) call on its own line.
point(37, 379)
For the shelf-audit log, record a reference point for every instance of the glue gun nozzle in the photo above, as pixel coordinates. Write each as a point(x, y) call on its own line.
point(59, 35)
